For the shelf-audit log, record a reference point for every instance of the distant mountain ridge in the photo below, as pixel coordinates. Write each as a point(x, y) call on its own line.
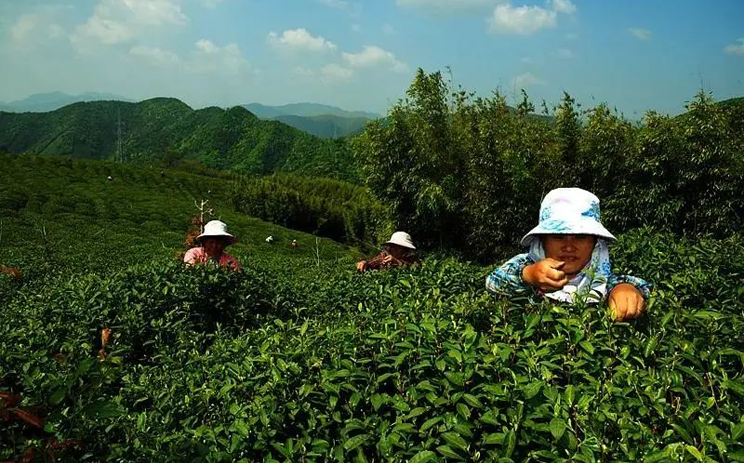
point(318, 119)
point(305, 110)
point(168, 130)
point(43, 102)
point(326, 126)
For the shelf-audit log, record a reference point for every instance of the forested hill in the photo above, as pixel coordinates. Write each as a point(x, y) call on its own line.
point(168, 130)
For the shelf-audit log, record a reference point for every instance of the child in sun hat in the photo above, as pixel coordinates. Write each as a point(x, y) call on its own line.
point(397, 251)
point(213, 241)
point(569, 258)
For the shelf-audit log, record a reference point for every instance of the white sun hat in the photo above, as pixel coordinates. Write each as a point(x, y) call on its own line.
point(401, 239)
point(568, 211)
point(216, 229)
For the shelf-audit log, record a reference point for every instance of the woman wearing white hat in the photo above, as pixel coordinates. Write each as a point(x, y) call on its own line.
point(399, 250)
point(213, 241)
point(568, 257)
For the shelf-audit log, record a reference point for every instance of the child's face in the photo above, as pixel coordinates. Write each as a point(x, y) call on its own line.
point(574, 250)
point(396, 251)
point(213, 246)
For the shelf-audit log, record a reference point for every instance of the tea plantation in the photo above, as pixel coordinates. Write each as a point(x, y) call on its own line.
point(299, 359)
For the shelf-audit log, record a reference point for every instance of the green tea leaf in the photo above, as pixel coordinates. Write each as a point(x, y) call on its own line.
point(650, 346)
point(455, 440)
point(737, 431)
point(377, 401)
point(429, 423)
point(694, 452)
point(532, 389)
point(463, 410)
point(355, 441)
point(494, 438)
point(511, 442)
point(587, 346)
point(103, 409)
point(472, 401)
point(557, 428)
point(424, 456)
point(58, 395)
point(491, 418)
point(448, 452)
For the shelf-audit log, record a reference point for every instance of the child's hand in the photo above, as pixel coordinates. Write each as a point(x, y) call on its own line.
point(391, 259)
point(626, 302)
point(545, 275)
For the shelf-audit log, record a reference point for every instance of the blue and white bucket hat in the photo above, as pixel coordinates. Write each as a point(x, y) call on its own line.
point(568, 211)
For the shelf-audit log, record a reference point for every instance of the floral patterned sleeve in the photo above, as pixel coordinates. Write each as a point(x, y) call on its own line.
point(508, 277)
point(644, 287)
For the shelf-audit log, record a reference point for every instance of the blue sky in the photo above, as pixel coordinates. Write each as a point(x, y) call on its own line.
point(361, 55)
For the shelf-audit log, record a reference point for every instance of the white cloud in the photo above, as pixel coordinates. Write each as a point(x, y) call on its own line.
point(34, 29)
point(564, 6)
point(449, 6)
point(527, 60)
point(119, 21)
point(206, 47)
point(23, 28)
point(211, 58)
point(303, 72)
point(205, 58)
point(300, 40)
point(105, 31)
point(523, 20)
point(565, 53)
point(372, 56)
point(572, 36)
point(736, 48)
point(527, 80)
point(335, 73)
point(341, 4)
point(155, 55)
point(212, 3)
point(149, 12)
point(526, 20)
point(356, 28)
point(387, 29)
point(641, 34)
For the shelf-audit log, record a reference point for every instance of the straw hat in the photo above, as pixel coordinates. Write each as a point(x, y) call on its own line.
point(216, 229)
point(401, 239)
point(569, 211)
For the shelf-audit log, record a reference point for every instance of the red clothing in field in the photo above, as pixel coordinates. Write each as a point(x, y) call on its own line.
point(198, 255)
point(376, 262)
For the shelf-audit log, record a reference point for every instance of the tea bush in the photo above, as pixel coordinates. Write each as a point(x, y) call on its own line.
point(325, 207)
point(294, 363)
point(299, 358)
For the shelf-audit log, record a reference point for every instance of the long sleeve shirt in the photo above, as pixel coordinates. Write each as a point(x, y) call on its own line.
point(508, 279)
point(198, 255)
point(377, 262)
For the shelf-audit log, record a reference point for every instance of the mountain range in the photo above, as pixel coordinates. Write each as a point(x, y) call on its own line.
point(167, 130)
point(321, 120)
point(43, 102)
point(305, 110)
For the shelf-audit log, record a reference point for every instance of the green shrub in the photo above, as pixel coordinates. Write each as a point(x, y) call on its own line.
point(324, 207)
point(281, 363)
